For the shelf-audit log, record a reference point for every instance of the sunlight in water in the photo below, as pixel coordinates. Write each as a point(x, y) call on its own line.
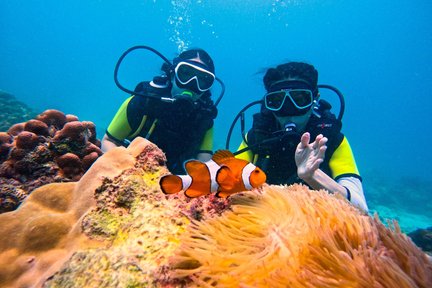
point(182, 18)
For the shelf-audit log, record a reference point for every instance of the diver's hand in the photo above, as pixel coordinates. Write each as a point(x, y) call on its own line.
point(309, 156)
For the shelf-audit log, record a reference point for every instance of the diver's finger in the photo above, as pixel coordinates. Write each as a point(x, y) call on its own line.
point(317, 141)
point(321, 152)
point(305, 138)
point(323, 141)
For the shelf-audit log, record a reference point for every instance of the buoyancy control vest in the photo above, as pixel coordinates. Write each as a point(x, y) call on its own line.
point(178, 128)
point(277, 157)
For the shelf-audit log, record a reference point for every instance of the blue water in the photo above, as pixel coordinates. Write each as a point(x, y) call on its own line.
point(61, 54)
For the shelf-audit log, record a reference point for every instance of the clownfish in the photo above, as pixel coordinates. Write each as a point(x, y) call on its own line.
point(223, 174)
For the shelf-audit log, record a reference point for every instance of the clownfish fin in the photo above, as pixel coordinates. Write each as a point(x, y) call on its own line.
point(196, 168)
point(225, 178)
point(222, 155)
point(221, 194)
point(171, 184)
point(192, 193)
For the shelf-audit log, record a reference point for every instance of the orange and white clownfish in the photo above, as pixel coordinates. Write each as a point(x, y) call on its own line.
point(223, 174)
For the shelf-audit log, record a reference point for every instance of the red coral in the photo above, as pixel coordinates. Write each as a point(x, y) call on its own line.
point(17, 153)
point(24, 167)
point(91, 129)
point(89, 159)
point(70, 118)
point(72, 131)
point(37, 127)
point(14, 130)
point(27, 140)
point(70, 164)
point(68, 160)
point(5, 145)
point(45, 150)
point(92, 148)
point(53, 118)
point(5, 138)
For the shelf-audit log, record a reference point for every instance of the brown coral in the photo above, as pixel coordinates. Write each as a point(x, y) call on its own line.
point(91, 128)
point(15, 129)
point(5, 145)
point(71, 165)
point(36, 126)
point(70, 118)
point(89, 159)
point(29, 150)
point(52, 117)
point(27, 140)
point(295, 237)
point(74, 131)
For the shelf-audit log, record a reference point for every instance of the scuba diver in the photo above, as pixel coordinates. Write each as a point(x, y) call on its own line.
point(174, 110)
point(279, 142)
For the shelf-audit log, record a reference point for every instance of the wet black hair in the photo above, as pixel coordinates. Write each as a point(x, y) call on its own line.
point(295, 70)
point(194, 53)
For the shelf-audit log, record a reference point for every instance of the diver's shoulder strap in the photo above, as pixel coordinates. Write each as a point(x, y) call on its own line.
point(207, 105)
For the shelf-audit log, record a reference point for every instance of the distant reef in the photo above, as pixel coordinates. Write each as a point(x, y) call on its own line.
point(423, 239)
point(115, 228)
point(13, 111)
point(52, 147)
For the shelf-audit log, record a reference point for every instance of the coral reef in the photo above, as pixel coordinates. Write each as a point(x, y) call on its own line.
point(13, 111)
point(115, 228)
point(53, 147)
point(45, 230)
point(423, 239)
point(141, 227)
point(406, 199)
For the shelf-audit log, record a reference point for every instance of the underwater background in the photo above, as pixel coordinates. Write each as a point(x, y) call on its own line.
point(61, 55)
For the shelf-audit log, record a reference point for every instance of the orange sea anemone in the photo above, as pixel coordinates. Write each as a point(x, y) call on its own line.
point(295, 237)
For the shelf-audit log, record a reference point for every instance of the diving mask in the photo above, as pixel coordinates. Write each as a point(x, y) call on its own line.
point(193, 76)
point(289, 102)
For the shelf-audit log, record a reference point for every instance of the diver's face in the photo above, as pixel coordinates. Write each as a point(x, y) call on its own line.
point(191, 76)
point(291, 100)
point(177, 92)
point(300, 121)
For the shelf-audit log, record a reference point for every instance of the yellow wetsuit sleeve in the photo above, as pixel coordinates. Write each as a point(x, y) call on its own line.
point(207, 142)
point(119, 127)
point(247, 155)
point(342, 161)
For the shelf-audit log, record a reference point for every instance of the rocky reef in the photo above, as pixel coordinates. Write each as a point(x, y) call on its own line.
point(13, 111)
point(52, 147)
point(115, 228)
point(423, 239)
point(406, 199)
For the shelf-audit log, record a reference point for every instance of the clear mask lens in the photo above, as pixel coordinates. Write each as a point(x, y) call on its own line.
point(186, 72)
point(300, 98)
